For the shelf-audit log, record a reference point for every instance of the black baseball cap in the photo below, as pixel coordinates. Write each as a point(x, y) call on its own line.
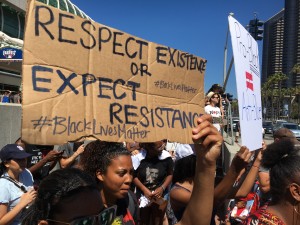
point(216, 86)
point(13, 151)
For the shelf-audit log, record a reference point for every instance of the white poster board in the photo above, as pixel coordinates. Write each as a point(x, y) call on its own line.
point(246, 63)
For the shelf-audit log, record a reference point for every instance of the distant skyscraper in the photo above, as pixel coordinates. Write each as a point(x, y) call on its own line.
point(291, 44)
point(273, 46)
point(281, 47)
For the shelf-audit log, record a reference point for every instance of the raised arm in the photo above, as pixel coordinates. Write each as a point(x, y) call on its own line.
point(66, 162)
point(248, 182)
point(208, 143)
point(239, 162)
point(52, 157)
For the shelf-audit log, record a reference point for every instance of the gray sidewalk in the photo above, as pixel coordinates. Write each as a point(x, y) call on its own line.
point(231, 148)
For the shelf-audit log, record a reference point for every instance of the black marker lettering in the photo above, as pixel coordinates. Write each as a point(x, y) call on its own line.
point(122, 82)
point(92, 40)
point(87, 79)
point(134, 86)
point(129, 114)
point(160, 54)
point(159, 117)
point(66, 82)
point(177, 116)
point(103, 86)
point(43, 24)
point(133, 55)
point(144, 115)
point(114, 110)
point(36, 79)
point(102, 38)
point(61, 28)
point(59, 127)
point(144, 69)
point(115, 44)
point(142, 43)
point(134, 69)
point(172, 56)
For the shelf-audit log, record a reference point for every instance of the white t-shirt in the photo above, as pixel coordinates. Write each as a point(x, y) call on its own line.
point(214, 112)
point(136, 159)
point(10, 194)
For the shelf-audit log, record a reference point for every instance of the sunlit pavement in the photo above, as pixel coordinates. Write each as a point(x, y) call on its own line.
point(231, 148)
point(268, 139)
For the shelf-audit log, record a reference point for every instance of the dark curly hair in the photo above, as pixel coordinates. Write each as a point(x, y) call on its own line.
point(97, 156)
point(2, 168)
point(184, 169)
point(55, 187)
point(283, 160)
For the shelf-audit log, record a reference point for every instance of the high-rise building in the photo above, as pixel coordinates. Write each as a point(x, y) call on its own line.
point(281, 47)
point(273, 45)
point(291, 44)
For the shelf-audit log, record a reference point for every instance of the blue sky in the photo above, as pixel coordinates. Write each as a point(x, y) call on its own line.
point(196, 26)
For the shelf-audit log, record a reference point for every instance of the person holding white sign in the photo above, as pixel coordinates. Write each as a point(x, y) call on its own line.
point(214, 110)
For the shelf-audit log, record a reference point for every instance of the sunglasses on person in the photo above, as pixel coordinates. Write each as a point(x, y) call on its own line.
point(106, 217)
point(216, 97)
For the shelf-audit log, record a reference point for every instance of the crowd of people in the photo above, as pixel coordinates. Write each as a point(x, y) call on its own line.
point(158, 183)
point(7, 96)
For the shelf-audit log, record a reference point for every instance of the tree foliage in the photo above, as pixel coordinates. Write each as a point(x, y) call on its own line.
point(275, 94)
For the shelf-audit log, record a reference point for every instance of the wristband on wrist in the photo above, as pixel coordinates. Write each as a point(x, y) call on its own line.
point(162, 186)
point(255, 166)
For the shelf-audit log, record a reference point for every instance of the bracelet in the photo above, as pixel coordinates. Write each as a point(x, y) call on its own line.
point(163, 187)
point(255, 166)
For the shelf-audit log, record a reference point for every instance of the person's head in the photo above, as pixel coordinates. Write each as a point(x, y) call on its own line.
point(21, 143)
point(183, 150)
point(241, 203)
point(65, 195)
point(217, 88)
point(13, 158)
point(283, 133)
point(154, 149)
point(215, 98)
point(207, 97)
point(110, 164)
point(184, 169)
point(283, 160)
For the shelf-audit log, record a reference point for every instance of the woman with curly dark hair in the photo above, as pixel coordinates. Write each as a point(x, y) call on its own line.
point(283, 160)
point(67, 196)
point(111, 166)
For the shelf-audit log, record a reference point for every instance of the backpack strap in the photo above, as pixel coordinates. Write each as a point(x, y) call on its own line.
point(133, 205)
point(22, 187)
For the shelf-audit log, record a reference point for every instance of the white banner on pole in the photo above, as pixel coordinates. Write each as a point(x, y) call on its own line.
point(246, 63)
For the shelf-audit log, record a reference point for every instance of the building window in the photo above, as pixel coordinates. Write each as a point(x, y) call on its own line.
point(12, 22)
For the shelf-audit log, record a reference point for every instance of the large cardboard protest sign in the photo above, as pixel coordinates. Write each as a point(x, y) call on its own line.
point(246, 63)
point(81, 78)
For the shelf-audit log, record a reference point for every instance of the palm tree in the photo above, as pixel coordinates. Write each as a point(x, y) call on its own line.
point(272, 89)
point(296, 70)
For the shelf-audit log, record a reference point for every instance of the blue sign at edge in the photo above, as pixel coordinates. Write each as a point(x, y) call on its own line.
point(11, 54)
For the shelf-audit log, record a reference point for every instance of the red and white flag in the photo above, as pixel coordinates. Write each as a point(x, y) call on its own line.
point(249, 81)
